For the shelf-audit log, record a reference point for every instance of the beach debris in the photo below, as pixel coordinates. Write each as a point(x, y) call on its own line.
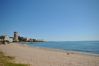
point(68, 53)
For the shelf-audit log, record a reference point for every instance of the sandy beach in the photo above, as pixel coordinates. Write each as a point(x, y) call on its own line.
point(45, 57)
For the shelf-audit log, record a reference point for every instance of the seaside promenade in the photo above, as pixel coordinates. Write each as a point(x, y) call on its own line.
point(45, 57)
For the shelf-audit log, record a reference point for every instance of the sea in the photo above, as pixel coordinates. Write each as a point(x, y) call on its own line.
point(78, 46)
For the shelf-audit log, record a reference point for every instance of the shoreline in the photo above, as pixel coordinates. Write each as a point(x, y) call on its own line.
point(61, 50)
point(36, 56)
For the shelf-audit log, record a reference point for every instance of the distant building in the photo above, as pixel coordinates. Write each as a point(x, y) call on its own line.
point(5, 39)
point(10, 39)
point(15, 38)
point(27, 39)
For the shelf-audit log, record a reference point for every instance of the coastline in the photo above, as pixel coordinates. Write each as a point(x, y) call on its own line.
point(61, 50)
point(37, 56)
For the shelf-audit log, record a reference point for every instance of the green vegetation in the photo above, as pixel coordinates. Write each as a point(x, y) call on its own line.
point(8, 61)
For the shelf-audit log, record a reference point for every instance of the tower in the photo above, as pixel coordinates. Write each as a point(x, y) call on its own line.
point(15, 39)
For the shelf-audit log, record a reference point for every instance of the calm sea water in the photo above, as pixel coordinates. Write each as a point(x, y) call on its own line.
point(82, 46)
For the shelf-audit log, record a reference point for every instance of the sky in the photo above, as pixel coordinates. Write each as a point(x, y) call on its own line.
point(52, 20)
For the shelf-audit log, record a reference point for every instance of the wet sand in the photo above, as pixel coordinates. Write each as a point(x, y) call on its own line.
point(46, 57)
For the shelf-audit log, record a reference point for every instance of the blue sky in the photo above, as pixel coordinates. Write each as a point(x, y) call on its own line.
point(53, 20)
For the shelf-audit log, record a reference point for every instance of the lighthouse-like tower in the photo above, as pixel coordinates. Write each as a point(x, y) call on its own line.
point(15, 39)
